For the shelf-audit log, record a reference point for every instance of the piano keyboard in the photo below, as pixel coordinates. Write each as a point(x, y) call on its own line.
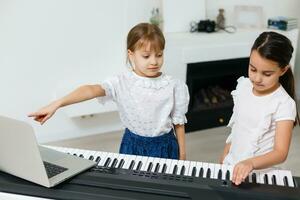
point(179, 167)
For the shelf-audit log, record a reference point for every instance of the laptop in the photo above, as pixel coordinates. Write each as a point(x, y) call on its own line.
point(21, 156)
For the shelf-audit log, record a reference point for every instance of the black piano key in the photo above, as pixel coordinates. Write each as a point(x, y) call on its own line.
point(131, 165)
point(91, 157)
point(175, 169)
point(150, 167)
point(107, 162)
point(285, 181)
point(194, 171)
point(164, 169)
point(121, 163)
point(114, 163)
point(81, 156)
point(156, 167)
point(220, 174)
point(98, 159)
point(227, 176)
point(139, 165)
point(182, 170)
point(274, 182)
point(247, 179)
point(266, 181)
point(201, 172)
point(254, 178)
point(208, 173)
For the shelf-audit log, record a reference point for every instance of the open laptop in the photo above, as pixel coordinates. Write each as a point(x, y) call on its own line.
point(20, 155)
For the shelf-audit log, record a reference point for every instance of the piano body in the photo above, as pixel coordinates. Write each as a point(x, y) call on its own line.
point(119, 176)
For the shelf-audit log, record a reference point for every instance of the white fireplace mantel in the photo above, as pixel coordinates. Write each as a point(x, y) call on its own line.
point(184, 48)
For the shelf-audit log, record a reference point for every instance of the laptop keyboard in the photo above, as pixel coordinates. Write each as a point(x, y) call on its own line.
point(53, 170)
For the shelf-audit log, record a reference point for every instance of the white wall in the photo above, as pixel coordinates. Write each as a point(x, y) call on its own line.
point(49, 45)
point(271, 8)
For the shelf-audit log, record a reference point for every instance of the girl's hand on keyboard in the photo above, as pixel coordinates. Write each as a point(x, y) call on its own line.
point(241, 171)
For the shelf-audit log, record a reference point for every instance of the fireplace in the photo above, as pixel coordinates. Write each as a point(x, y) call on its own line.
point(210, 84)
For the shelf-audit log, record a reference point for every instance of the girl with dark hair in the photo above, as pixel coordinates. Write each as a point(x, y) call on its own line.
point(264, 112)
point(151, 104)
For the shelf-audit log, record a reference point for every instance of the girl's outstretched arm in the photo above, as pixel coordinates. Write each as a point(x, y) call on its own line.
point(180, 133)
point(283, 135)
point(80, 94)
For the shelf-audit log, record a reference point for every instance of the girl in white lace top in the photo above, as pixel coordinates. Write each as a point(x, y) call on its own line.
point(151, 104)
point(264, 110)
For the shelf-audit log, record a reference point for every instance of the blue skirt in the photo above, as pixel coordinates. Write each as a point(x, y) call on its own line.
point(164, 146)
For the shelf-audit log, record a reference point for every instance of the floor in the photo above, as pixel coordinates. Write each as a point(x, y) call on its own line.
point(205, 145)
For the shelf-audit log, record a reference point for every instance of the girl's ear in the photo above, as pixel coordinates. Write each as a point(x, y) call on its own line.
point(283, 70)
point(129, 52)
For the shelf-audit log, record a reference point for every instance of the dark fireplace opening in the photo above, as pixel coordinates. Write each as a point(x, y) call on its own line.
point(210, 85)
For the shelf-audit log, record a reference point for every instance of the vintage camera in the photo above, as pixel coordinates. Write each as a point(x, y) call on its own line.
point(206, 26)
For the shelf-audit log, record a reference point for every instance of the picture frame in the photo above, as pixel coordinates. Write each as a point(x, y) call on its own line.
point(246, 16)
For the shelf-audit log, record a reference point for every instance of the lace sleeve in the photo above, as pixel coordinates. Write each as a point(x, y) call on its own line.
point(181, 102)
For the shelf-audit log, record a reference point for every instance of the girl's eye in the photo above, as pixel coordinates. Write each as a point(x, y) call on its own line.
point(159, 55)
point(267, 74)
point(252, 70)
point(146, 57)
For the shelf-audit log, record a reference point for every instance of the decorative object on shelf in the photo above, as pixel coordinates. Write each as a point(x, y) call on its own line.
point(221, 19)
point(248, 16)
point(283, 23)
point(156, 17)
point(220, 23)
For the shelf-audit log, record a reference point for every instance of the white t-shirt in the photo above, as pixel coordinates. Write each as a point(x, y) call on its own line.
point(147, 106)
point(254, 120)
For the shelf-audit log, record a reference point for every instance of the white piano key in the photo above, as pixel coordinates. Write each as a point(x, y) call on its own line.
point(279, 179)
point(171, 168)
point(128, 159)
point(113, 157)
point(289, 176)
point(168, 163)
point(137, 161)
point(120, 157)
point(199, 166)
point(270, 174)
point(224, 171)
point(147, 164)
point(211, 166)
point(155, 162)
point(144, 162)
point(103, 157)
point(217, 167)
point(230, 169)
point(186, 164)
point(162, 161)
point(192, 165)
point(179, 166)
point(205, 167)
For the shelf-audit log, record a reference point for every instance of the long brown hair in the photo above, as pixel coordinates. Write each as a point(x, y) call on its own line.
point(276, 47)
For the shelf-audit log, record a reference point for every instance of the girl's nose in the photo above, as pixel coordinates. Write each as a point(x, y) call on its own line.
point(258, 78)
point(153, 61)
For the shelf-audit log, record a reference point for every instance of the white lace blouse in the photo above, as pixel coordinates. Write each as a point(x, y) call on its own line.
point(147, 106)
